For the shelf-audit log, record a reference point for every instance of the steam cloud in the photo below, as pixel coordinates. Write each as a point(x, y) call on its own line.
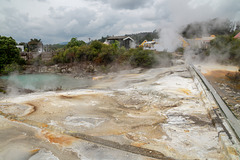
point(182, 13)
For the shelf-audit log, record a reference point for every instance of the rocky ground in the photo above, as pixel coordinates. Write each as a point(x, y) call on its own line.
point(131, 114)
point(76, 69)
point(228, 89)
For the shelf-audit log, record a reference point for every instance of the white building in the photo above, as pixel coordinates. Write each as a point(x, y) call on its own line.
point(21, 47)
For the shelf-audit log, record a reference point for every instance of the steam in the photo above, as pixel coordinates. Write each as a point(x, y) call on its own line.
point(169, 39)
point(181, 13)
point(12, 89)
point(195, 53)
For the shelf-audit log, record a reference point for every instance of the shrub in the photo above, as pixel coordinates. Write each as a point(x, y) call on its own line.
point(141, 58)
point(106, 55)
point(75, 42)
point(14, 67)
point(82, 53)
point(59, 57)
point(122, 55)
point(225, 45)
point(96, 45)
point(70, 54)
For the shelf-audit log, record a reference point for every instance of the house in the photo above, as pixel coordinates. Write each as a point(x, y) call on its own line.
point(203, 42)
point(237, 36)
point(36, 46)
point(124, 41)
point(40, 47)
point(21, 47)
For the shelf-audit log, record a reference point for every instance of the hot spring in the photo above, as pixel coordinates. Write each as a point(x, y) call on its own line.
point(45, 82)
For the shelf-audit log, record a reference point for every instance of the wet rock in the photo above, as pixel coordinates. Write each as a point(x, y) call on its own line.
point(142, 113)
point(179, 62)
point(90, 69)
point(70, 69)
point(237, 98)
point(184, 75)
point(224, 98)
point(43, 69)
point(18, 110)
point(237, 106)
point(43, 154)
point(228, 89)
point(83, 121)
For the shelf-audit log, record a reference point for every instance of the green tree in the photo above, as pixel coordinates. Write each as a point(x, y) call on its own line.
point(82, 53)
point(75, 42)
point(106, 55)
point(70, 54)
point(116, 44)
point(9, 53)
point(96, 45)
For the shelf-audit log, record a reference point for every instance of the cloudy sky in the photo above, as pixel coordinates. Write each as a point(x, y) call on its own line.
point(55, 21)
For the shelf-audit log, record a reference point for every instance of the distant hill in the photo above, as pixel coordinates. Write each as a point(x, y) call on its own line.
point(63, 43)
point(215, 26)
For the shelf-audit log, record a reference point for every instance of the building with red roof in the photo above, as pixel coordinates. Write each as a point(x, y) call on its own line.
point(237, 36)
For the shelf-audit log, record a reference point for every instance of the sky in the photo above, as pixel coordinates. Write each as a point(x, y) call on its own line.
point(56, 21)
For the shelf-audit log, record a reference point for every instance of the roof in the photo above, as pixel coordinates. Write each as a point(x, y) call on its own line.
point(120, 38)
point(237, 36)
point(205, 39)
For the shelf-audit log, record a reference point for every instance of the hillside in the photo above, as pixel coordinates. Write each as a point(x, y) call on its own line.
point(215, 26)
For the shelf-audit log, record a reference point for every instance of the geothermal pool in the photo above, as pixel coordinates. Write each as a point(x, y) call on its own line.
point(133, 114)
point(45, 82)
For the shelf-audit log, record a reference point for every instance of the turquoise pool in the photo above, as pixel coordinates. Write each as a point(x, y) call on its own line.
point(43, 82)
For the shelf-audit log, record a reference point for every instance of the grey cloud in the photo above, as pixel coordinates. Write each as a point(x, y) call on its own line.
point(157, 11)
point(229, 9)
point(70, 23)
point(99, 18)
point(14, 22)
point(23, 27)
point(81, 22)
point(182, 12)
point(128, 4)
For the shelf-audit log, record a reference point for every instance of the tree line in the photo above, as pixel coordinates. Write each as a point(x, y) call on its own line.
point(102, 54)
point(76, 51)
